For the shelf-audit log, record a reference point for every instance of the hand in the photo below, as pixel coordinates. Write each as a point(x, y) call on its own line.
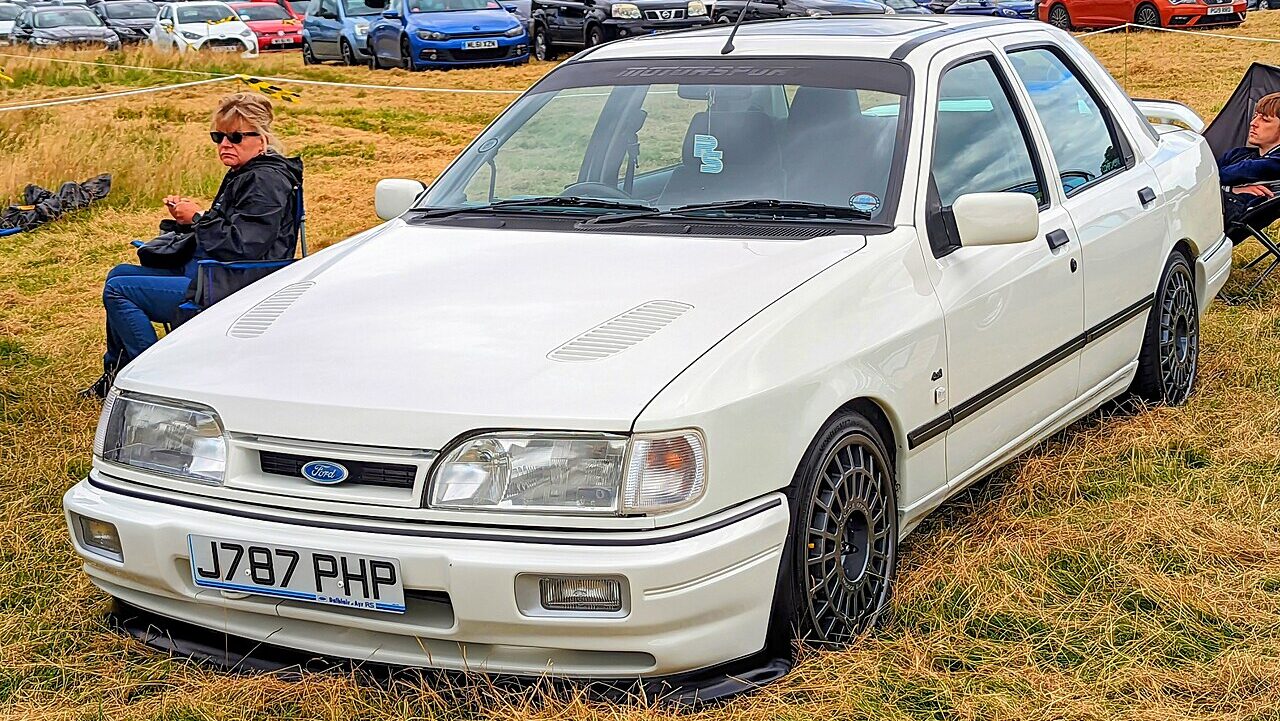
point(182, 209)
point(1261, 191)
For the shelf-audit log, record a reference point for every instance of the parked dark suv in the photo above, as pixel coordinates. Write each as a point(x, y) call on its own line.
point(574, 24)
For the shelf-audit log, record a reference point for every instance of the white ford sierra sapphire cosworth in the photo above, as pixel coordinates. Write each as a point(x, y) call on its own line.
point(664, 366)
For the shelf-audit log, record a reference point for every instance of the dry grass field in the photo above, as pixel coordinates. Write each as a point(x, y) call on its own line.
point(1129, 569)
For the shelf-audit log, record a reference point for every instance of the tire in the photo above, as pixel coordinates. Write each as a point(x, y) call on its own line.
point(724, 20)
point(1059, 17)
point(348, 53)
point(1147, 16)
point(1170, 355)
point(374, 64)
point(844, 533)
point(595, 36)
point(542, 47)
point(308, 57)
point(406, 55)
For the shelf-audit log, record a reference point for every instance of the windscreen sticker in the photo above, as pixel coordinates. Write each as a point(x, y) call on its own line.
point(704, 149)
point(866, 202)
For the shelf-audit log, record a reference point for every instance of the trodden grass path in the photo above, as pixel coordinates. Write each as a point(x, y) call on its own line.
point(1128, 569)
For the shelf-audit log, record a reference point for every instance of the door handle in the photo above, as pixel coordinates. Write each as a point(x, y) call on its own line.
point(1146, 196)
point(1057, 238)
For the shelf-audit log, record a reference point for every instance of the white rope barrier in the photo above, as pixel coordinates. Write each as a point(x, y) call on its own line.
point(1198, 33)
point(109, 96)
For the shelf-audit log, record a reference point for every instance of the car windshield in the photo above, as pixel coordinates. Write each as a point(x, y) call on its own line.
point(901, 4)
point(444, 6)
point(204, 14)
point(65, 17)
point(9, 12)
point(663, 134)
point(130, 10)
point(359, 8)
point(262, 11)
point(299, 8)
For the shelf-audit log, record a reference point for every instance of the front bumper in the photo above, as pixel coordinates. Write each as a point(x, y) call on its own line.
point(615, 28)
point(1197, 16)
point(267, 42)
point(700, 594)
point(452, 53)
point(244, 46)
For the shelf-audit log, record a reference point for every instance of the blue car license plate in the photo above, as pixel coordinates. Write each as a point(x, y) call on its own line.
point(479, 44)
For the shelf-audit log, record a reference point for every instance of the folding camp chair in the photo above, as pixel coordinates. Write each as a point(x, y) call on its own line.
point(1252, 225)
point(216, 280)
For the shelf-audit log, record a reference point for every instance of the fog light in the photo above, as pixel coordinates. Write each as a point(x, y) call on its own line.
point(100, 536)
point(581, 594)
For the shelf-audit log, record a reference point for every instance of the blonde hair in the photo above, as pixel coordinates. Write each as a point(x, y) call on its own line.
point(1268, 106)
point(253, 109)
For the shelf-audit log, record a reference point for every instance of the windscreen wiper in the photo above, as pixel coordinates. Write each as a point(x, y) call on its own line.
point(547, 201)
point(761, 206)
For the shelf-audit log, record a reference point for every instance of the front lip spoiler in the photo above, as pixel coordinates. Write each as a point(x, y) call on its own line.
point(234, 654)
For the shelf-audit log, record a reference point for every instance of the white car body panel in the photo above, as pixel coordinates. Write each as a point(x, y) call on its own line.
point(172, 38)
point(411, 336)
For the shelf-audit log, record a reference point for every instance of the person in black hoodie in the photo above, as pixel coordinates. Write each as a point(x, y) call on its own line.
point(252, 217)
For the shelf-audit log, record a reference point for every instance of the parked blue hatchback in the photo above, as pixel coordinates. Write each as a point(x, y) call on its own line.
point(440, 34)
point(338, 30)
point(1025, 9)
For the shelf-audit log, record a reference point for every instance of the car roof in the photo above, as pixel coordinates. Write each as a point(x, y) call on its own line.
point(867, 36)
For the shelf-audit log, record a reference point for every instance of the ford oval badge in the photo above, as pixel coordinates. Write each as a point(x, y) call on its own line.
point(325, 472)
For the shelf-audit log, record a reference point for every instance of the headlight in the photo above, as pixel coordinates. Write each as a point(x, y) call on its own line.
point(580, 473)
point(815, 13)
point(174, 438)
point(45, 41)
point(1183, 2)
point(889, 11)
point(515, 32)
point(361, 30)
point(1008, 13)
point(626, 11)
point(697, 8)
point(432, 35)
point(246, 33)
point(191, 36)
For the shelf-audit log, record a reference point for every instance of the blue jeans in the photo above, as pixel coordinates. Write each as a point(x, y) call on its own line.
point(135, 297)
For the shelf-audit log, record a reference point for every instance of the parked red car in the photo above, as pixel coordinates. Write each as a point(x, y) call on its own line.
point(275, 27)
point(1069, 14)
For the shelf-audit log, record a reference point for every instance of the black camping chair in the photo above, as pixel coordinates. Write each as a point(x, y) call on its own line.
point(1253, 225)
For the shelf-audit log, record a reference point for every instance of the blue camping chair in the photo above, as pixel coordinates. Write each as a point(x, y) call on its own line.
point(216, 279)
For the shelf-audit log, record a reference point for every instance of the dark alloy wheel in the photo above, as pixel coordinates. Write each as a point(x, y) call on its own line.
point(1059, 17)
point(542, 47)
point(308, 57)
point(595, 36)
point(1170, 353)
point(1147, 16)
point(348, 54)
point(844, 532)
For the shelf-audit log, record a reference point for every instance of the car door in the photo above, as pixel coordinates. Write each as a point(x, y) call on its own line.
point(325, 29)
point(1114, 200)
point(162, 31)
point(569, 19)
point(1013, 313)
point(21, 31)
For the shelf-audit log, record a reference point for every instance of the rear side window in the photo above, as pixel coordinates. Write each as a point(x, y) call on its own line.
point(1081, 134)
point(979, 144)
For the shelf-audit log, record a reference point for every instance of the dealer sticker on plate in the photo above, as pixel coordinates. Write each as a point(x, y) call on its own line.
point(304, 574)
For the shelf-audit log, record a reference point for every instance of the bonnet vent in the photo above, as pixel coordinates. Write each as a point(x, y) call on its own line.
point(621, 332)
point(259, 318)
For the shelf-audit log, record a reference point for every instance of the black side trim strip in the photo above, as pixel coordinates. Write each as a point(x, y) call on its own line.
point(435, 532)
point(905, 49)
point(942, 423)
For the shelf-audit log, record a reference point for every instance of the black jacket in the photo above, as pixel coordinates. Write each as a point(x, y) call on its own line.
point(254, 214)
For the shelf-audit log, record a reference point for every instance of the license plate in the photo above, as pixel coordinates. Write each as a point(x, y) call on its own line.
point(282, 41)
point(479, 44)
point(226, 49)
point(303, 574)
point(1224, 10)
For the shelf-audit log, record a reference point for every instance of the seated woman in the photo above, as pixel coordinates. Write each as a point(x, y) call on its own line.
point(1243, 171)
point(252, 218)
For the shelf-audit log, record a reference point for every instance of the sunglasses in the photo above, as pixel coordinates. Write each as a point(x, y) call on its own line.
point(235, 137)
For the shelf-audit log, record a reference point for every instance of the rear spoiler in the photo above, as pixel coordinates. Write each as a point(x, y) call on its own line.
point(1169, 112)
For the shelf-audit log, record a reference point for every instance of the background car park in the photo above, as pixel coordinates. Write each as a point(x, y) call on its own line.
point(996, 8)
point(46, 26)
point(338, 30)
point(439, 34)
point(273, 26)
point(1072, 14)
point(908, 7)
point(574, 24)
point(727, 11)
point(8, 13)
point(194, 26)
point(131, 20)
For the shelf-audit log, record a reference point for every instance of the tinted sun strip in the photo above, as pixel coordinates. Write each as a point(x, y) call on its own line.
point(905, 49)
point(437, 532)
point(942, 423)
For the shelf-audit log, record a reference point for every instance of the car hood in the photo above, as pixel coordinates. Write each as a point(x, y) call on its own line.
point(138, 24)
point(464, 21)
point(231, 28)
point(274, 26)
point(408, 336)
point(79, 32)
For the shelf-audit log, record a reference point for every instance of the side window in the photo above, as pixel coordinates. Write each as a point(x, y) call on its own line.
point(328, 7)
point(1081, 134)
point(979, 144)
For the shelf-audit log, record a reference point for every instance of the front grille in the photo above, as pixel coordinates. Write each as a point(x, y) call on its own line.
point(473, 56)
point(223, 43)
point(666, 14)
point(388, 475)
